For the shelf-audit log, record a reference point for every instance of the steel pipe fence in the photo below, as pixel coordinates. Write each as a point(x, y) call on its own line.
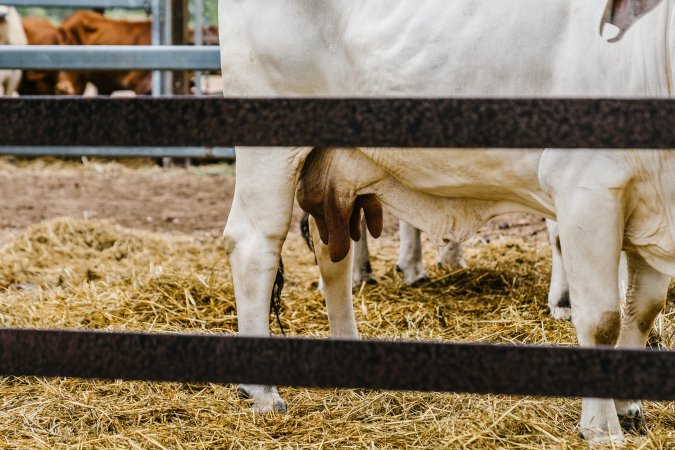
point(110, 57)
point(450, 122)
point(421, 366)
point(220, 153)
point(126, 4)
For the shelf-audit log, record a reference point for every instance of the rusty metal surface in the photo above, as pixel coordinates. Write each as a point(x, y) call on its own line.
point(524, 123)
point(421, 366)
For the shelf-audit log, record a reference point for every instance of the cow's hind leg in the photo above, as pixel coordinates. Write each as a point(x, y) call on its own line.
point(645, 298)
point(337, 288)
point(558, 291)
point(361, 269)
point(410, 255)
point(255, 232)
point(590, 225)
point(451, 256)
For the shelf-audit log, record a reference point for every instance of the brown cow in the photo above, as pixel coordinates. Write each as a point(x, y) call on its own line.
point(39, 31)
point(91, 28)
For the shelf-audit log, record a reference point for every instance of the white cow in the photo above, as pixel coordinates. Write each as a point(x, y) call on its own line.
point(604, 201)
point(11, 33)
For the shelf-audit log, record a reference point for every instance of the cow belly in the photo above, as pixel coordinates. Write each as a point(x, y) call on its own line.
point(446, 193)
point(443, 219)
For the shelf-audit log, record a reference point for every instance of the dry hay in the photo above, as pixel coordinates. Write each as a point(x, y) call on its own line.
point(94, 274)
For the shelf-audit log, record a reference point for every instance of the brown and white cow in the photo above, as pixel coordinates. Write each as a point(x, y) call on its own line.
point(39, 31)
point(92, 28)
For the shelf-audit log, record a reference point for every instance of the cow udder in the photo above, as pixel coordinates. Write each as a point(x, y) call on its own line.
point(331, 201)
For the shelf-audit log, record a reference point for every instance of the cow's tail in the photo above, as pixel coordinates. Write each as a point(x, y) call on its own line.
point(275, 301)
point(304, 230)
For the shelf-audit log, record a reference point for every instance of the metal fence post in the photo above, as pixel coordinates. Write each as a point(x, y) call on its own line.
point(156, 40)
point(198, 25)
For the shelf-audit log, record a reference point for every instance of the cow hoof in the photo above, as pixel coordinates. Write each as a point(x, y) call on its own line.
point(370, 281)
point(266, 399)
point(413, 276)
point(631, 418)
point(420, 281)
point(277, 406)
point(449, 267)
point(601, 437)
point(634, 425)
point(560, 313)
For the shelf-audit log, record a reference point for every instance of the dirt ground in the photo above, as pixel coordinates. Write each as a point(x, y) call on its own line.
point(139, 194)
point(135, 194)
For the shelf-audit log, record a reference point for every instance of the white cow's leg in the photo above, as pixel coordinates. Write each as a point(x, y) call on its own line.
point(590, 228)
point(558, 291)
point(410, 255)
point(255, 232)
point(451, 256)
point(337, 288)
point(361, 270)
point(645, 298)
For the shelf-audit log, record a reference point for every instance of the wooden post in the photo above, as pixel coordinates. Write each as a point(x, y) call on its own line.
point(179, 36)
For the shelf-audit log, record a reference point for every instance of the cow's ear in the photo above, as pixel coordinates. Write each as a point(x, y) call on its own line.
point(624, 13)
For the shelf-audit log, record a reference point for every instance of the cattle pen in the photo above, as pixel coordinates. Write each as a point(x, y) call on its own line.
point(118, 324)
point(416, 366)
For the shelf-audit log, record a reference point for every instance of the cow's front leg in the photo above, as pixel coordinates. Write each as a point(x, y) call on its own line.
point(410, 255)
point(337, 288)
point(255, 232)
point(591, 233)
point(645, 298)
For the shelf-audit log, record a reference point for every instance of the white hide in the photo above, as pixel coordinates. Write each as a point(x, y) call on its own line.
point(11, 33)
point(461, 48)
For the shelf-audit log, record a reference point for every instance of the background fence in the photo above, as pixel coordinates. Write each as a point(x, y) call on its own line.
point(169, 27)
point(423, 366)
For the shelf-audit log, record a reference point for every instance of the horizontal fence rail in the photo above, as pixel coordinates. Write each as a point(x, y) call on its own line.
point(399, 365)
point(128, 4)
point(223, 153)
point(110, 57)
point(213, 122)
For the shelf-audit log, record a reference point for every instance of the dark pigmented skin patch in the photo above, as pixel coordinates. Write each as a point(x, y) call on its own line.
point(564, 301)
point(607, 331)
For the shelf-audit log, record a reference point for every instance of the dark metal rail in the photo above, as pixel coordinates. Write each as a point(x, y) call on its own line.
point(423, 366)
point(523, 123)
point(419, 366)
